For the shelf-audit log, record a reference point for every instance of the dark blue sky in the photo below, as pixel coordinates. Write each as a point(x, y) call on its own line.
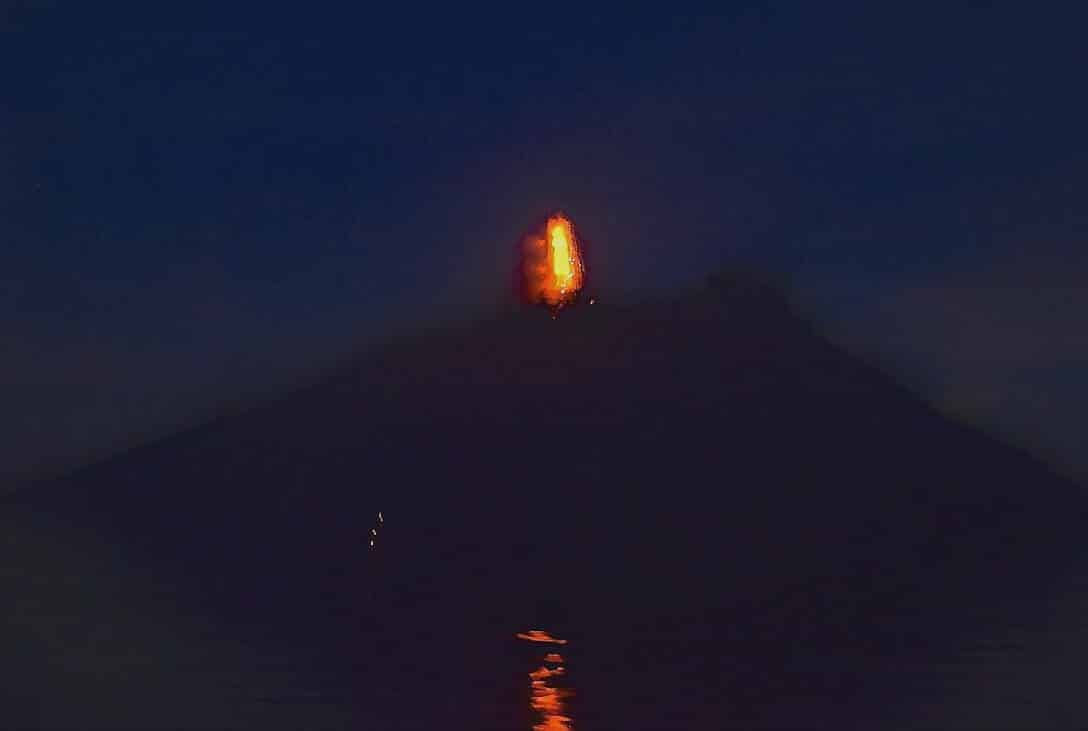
point(194, 216)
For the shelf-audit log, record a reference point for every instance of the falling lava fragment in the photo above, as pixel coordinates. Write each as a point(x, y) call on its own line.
point(553, 270)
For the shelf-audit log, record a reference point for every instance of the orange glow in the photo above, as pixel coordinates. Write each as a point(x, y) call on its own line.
point(538, 635)
point(553, 270)
point(544, 698)
point(543, 672)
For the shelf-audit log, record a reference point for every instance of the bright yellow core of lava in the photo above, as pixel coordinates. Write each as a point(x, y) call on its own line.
point(564, 261)
point(559, 235)
point(552, 265)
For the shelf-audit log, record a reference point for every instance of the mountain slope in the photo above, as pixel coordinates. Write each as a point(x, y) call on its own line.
point(701, 484)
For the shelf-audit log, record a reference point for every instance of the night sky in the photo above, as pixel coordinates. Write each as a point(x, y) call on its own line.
point(194, 218)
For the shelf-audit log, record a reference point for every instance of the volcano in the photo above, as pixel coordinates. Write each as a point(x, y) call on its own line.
point(728, 517)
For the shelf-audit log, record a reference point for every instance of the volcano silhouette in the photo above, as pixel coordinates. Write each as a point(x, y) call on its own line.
point(731, 519)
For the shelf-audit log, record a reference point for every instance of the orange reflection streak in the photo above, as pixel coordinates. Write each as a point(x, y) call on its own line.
point(538, 635)
point(546, 700)
point(542, 673)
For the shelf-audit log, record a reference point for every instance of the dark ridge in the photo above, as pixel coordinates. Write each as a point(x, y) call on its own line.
point(704, 466)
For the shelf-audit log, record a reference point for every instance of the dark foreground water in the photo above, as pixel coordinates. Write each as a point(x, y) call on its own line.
point(88, 643)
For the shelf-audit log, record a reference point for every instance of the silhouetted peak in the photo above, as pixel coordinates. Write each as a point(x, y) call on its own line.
point(741, 283)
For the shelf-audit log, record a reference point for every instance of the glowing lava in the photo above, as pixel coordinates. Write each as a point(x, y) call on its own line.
point(552, 267)
point(562, 267)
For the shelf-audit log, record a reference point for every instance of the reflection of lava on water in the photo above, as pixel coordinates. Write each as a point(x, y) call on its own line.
point(546, 699)
point(538, 635)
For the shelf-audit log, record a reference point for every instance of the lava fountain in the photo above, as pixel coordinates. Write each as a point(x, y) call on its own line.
point(552, 267)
